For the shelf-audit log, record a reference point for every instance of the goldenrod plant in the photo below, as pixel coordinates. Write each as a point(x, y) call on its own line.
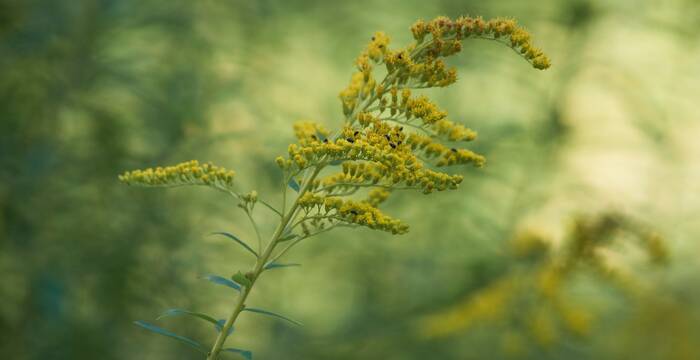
point(391, 139)
point(530, 298)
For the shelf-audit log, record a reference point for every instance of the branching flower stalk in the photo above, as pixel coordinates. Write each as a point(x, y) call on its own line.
point(392, 139)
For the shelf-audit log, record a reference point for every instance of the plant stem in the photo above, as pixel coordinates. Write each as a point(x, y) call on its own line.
point(255, 227)
point(257, 270)
point(284, 251)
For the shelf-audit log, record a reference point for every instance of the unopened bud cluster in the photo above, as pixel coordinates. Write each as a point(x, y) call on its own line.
point(186, 173)
point(446, 35)
point(363, 212)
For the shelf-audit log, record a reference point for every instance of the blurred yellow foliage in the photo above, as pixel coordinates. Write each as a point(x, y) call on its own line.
point(533, 292)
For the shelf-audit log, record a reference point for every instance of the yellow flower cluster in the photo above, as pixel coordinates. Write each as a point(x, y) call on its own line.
point(381, 144)
point(395, 150)
point(392, 138)
point(419, 65)
point(445, 33)
point(355, 173)
point(362, 85)
point(364, 213)
point(361, 173)
point(378, 196)
point(186, 173)
point(423, 109)
point(446, 156)
point(308, 131)
point(454, 131)
point(431, 117)
point(377, 47)
point(429, 73)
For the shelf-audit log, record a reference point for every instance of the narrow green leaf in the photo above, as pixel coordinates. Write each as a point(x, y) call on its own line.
point(220, 280)
point(335, 162)
point(160, 331)
point(269, 313)
point(236, 239)
point(241, 279)
point(294, 185)
point(244, 353)
point(178, 312)
point(278, 265)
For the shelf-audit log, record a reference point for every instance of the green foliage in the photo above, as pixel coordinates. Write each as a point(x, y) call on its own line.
point(239, 241)
point(269, 313)
point(279, 266)
point(216, 279)
point(160, 331)
point(178, 312)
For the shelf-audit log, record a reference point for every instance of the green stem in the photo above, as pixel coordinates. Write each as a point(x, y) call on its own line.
point(284, 251)
point(259, 267)
point(359, 185)
point(255, 227)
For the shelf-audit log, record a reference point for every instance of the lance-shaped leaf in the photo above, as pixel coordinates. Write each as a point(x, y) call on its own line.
point(169, 334)
point(241, 279)
point(294, 185)
point(244, 353)
point(179, 312)
point(270, 313)
point(236, 239)
point(220, 280)
point(278, 265)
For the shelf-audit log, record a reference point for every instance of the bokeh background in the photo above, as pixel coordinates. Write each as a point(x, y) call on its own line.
point(600, 153)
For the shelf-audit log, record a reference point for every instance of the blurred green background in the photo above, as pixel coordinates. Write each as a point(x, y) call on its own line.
point(90, 88)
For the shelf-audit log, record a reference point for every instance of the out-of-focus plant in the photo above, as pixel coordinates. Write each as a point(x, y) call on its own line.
point(530, 299)
point(391, 140)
